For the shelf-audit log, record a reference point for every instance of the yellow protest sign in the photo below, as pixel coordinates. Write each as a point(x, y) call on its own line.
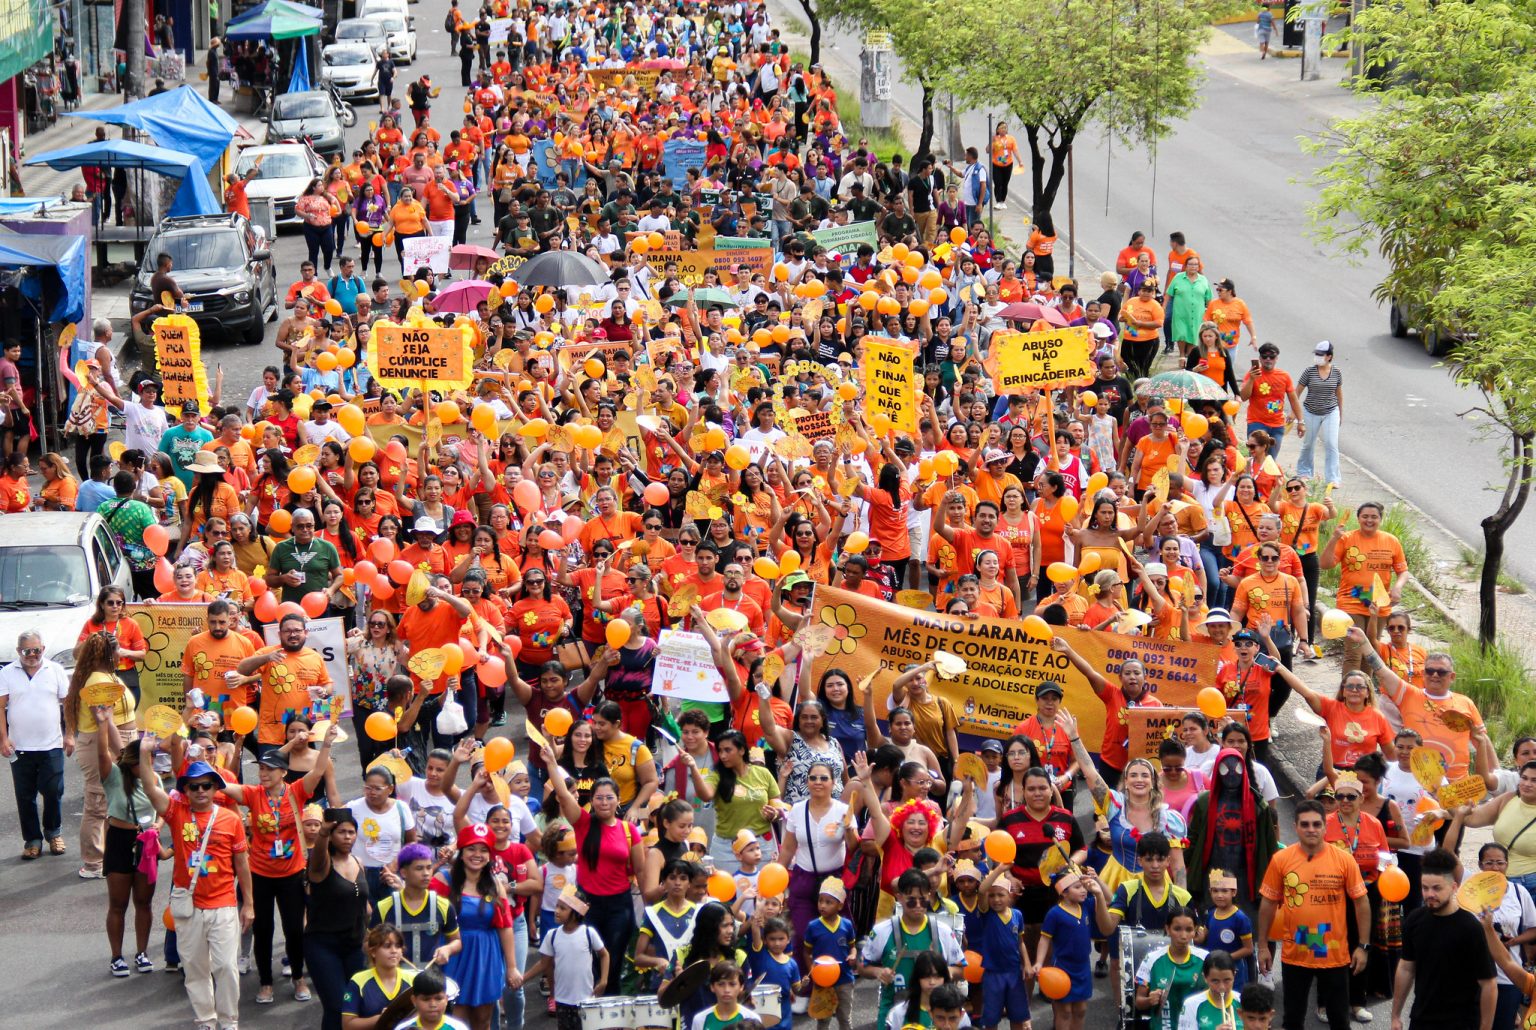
point(1043, 361)
point(613, 78)
point(692, 264)
point(166, 629)
point(888, 387)
point(178, 357)
point(407, 356)
point(1468, 790)
point(1004, 665)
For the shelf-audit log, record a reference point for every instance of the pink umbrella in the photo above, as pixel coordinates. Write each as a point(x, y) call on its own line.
point(1029, 311)
point(464, 255)
point(461, 297)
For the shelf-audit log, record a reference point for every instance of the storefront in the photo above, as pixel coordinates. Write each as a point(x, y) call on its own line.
point(26, 37)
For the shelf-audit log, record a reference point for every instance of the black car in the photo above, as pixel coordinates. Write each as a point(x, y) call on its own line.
point(223, 265)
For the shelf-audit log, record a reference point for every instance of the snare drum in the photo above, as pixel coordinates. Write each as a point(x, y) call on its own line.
point(765, 1002)
point(610, 1014)
point(1136, 943)
point(645, 1011)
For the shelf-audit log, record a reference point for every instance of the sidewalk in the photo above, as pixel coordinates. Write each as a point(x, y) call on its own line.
point(42, 181)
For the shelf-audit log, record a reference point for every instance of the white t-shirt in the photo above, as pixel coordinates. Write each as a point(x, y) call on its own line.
point(1516, 914)
point(381, 835)
point(143, 427)
point(433, 812)
point(315, 433)
point(822, 839)
point(1401, 786)
point(572, 952)
point(32, 709)
point(1201, 762)
point(522, 819)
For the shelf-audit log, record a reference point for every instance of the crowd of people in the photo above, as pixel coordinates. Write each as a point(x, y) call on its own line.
point(627, 459)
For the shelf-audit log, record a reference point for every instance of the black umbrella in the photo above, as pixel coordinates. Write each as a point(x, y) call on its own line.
point(561, 268)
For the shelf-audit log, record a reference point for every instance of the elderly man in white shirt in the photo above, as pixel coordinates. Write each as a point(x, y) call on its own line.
point(35, 740)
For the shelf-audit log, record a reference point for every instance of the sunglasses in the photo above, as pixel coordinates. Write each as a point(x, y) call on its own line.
point(653, 525)
point(30, 652)
point(1347, 797)
point(1295, 488)
point(112, 604)
point(819, 779)
point(200, 787)
point(1437, 672)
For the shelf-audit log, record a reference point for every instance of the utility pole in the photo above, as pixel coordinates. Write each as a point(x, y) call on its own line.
point(133, 18)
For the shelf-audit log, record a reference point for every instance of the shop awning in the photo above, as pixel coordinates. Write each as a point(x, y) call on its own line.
point(179, 119)
point(195, 197)
point(60, 258)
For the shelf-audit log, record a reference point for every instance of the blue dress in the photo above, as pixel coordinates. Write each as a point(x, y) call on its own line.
point(480, 968)
point(1072, 947)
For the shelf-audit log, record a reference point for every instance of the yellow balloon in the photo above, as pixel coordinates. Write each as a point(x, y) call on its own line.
point(1090, 564)
point(857, 543)
point(1195, 425)
point(766, 568)
point(789, 562)
point(1335, 624)
point(738, 457)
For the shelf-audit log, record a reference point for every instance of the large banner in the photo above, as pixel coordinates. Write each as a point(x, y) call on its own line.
point(997, 690)
point(167, 626)
point(613, 78)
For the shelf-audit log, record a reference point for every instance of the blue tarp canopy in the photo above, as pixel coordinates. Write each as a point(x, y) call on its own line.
point(269, 7)
point(193, 198)
point(178, 119)
point(63, 256)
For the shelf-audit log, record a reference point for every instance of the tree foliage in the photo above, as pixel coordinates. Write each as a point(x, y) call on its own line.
point(1437, 175)
point(1059, 66)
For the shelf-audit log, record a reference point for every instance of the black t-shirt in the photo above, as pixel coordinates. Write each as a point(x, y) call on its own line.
point(899, 227)
point(922, 196)
point(1118, 391)
point(544, 219)
point(1112, 298)
point(1450, 955)
point(862, 209)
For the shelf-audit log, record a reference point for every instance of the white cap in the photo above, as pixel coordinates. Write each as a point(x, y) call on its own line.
point(425, 524)
point(1155, 568)
point(1102, 331)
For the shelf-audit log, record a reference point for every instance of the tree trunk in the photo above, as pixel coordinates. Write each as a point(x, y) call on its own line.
point(925, 142)
point(133, 16)
point(814, 20)
point(1048, 176)
point(1494, 528)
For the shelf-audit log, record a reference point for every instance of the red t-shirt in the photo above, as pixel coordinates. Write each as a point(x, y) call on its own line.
point(1116, 746)
point(968, 542)
point(612, 873)
point(517, 863)
point(274, 833)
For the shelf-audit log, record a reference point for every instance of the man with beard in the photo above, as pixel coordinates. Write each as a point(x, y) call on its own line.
point(731, 597)
point(293, 680)
point(982, 537)
point(211, 656)
point(1445, 959)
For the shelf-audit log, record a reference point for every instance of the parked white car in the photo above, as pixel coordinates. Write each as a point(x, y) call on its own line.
point(402, 38)
point(350, 68)
point(286, 169)
point(52, 565)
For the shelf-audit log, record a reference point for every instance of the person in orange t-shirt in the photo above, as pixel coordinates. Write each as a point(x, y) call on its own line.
point(1153, 452)
point(294, 678)
point(1306, 894)
point(1364, 556)
point(437, 620)
point(211, 655)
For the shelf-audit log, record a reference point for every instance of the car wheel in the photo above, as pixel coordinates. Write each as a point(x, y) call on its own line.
point(1396, 324)
point(256, 333)
point(1436, 343)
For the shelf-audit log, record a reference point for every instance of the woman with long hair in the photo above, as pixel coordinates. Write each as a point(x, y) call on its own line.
point(131, 828)
point(817, 842)
point(373, 658)
point(96, 662)
point(222, 578)
point(318, 209)
point(610, 852)
point(713, 941)
point(369, 213)
point(742, 793)
point(844, 717)
point(59, 487)
point(337, 917)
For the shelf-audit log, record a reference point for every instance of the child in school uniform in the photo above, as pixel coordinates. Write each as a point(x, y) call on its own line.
point(726, 984)
point(568, 951)
point(999, 940)
point(769, 963)
point(1228, 928)
point(1216, 1006)
point(833, 935)
point(1067, 937)
point(1167, 976)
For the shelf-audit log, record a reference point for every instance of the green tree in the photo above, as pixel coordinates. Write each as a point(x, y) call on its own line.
point(926, 49)
point(1436, 174)
point(1127, 66)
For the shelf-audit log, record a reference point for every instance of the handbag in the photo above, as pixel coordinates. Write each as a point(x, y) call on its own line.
point(183, 903)
point(1221, 531)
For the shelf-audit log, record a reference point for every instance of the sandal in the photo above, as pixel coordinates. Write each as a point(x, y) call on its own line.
point(32, 851)
point(300, 991)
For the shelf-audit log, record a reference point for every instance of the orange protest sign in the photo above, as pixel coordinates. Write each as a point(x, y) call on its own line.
point(408, 356)
point(1147, 728)
point(1004, 664)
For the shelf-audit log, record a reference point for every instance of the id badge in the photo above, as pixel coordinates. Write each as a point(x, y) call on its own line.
point(282, 849)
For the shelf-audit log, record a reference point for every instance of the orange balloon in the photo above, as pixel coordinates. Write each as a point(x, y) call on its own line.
point(973, 968)
point(957, 235)
point(243, 719)
point(301, 480)
point(826, 971)
point(498, 752)
point(266, 607)
point(1055, 984)
point(1001, 847)
point(156, 539)
point(325, 361)
point(365, 572)
point(453, 659)
point(165, 576)
point(557, 722)
point(657, 494)
point(1393, 884)
point(772, 880)
point(448, 412)
point(722, 886)
point(471, 656)
point(315, 603)
point(383, 550)
point(617, 634)
point(400, 571)
point(380, 726)
point(362, 449)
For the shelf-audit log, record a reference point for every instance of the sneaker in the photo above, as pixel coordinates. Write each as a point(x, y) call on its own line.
point(119, 967)
point(1101, 967)
point(1362, 1014)
point(1001, 206)
point(142, 963)
point(1322, 1016)
point(300, 991)
point(173, 967)
point(264, 994)
point(87, 873)
point(245, 965)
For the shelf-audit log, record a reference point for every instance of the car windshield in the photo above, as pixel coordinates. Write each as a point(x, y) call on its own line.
point(347, 56)
point(45, 576)
point(294, 107)
point(210, 248)
point(289, 164)
point(391, 23)
point(358, 30)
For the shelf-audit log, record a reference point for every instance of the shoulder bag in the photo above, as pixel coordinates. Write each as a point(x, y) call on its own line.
point(183, 904)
